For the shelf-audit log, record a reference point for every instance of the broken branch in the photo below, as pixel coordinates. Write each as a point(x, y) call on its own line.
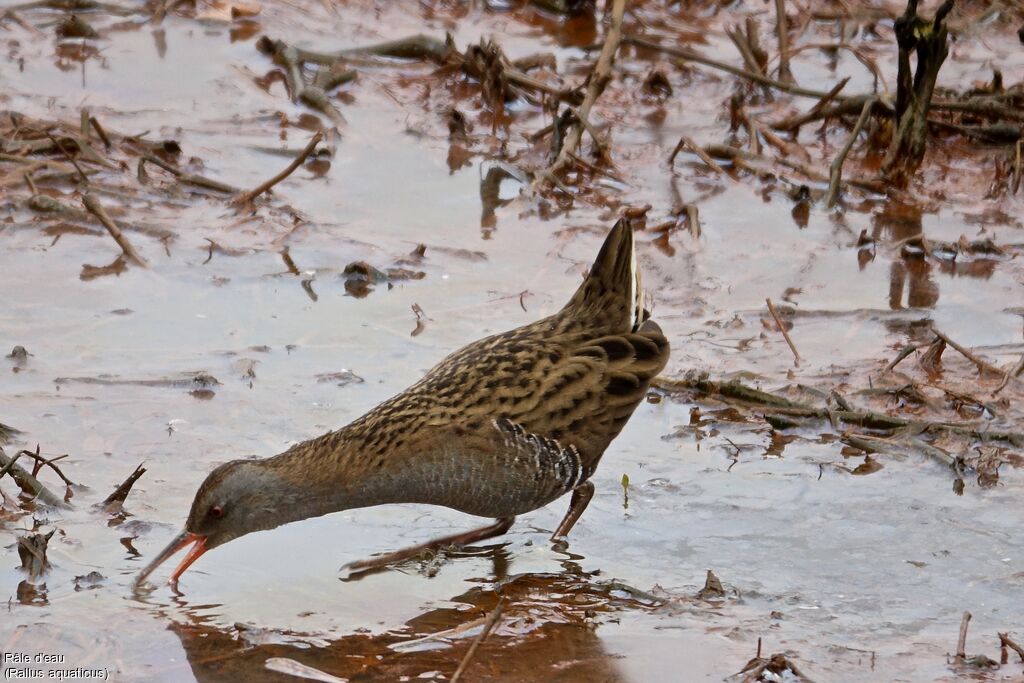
point(121, 492)
point(983, 365)
point(247, 197)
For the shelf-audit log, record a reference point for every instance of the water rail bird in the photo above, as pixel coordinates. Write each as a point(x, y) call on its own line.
point(500, 427)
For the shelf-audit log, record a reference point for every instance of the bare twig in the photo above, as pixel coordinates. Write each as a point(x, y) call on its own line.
point(961, 641)
point(60, 147)
point(28, 483)
point(687, 143)
point(1015, 371)
point(878, 444)
point(904, 352)
point(599, 78)
point(96, 209)
point(782, 328)
point(746, 51)
point(99, 131)
point(181, 176)
point(44, 462)
point(982, 365)
point(836, 170)
point(693, 219)
point(739, 157)
point(289, 263)
point(9, 462)
point(796, 121)
point(492, 619)
point(247, 197)
point(1017, 166)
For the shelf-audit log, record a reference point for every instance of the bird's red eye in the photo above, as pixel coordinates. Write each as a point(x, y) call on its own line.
point(216, 512)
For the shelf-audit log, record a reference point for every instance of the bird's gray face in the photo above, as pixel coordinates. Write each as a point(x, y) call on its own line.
point(234, 500)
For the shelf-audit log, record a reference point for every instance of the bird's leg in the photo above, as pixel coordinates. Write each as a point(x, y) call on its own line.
point(581, 496)
point(499, 527)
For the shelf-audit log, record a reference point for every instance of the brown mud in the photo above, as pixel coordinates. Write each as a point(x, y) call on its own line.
point(191, 275)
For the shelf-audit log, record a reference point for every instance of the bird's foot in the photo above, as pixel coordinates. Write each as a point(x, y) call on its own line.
point(581, 496)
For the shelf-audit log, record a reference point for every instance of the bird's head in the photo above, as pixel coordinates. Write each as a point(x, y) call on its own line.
point(237, 498)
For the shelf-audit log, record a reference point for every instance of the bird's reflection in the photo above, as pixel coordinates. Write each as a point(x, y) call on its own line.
point(546, 633)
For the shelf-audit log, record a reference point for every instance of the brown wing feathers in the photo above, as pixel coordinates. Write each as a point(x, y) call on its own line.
point(568, 384)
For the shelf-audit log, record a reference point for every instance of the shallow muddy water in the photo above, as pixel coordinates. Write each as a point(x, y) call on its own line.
point(855, 578)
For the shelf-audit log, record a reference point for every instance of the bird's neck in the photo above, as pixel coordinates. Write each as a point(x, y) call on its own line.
point(323, 475)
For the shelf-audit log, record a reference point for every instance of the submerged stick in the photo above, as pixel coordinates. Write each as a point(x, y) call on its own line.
point(121, 492)
point(492, 619)
point(181, 176)
point(692, 56)
point(836, 170)
point(96, 209)
point(782, 328)
point(741, 393)
point(247, 197)
point(739, 157)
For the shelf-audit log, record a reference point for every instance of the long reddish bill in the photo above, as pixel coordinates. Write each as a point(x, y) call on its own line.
point(180, 541)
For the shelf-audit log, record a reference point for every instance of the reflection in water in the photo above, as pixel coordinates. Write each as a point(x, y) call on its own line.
point(898, 222)
point(916, 274)
point(490, 195)
point(546, 633)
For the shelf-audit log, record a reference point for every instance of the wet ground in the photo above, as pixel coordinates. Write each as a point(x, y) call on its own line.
point(853, 577)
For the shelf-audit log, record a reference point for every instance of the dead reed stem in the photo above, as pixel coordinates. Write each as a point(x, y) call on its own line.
point(96, 209)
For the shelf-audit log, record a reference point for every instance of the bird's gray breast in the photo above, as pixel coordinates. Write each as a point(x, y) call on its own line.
point(506, 471)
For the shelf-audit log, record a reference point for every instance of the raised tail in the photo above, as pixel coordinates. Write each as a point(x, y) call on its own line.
point(610, 300)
